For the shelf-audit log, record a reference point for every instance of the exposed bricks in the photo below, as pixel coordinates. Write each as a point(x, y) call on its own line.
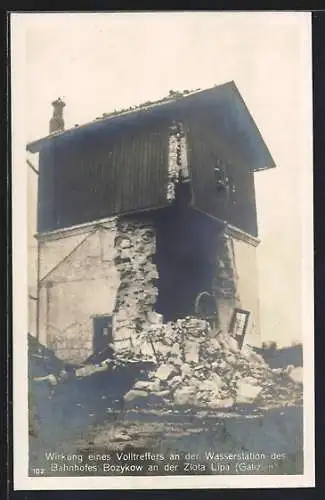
point(136, 296)
point(177, 159)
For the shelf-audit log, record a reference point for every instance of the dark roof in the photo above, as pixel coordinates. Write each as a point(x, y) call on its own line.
point(232, 110)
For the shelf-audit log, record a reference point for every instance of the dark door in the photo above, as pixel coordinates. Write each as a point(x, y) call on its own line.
point(102, 332)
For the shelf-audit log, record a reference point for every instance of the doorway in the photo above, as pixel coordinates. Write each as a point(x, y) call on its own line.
point(102, 332)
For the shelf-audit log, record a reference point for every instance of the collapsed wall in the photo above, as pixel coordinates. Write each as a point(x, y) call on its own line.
point(177, 159)
point(110, 268)
point(135, 250)
point(198, 366)
point(136, 295)
point(196, 363)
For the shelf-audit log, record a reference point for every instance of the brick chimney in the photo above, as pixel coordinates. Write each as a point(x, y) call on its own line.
point(57, 121)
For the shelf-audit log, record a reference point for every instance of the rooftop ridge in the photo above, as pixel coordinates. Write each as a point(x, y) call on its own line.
point(173, 96)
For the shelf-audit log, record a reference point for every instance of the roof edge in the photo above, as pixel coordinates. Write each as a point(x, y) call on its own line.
point(255, 126)
point(33, 146)
point(36, 146)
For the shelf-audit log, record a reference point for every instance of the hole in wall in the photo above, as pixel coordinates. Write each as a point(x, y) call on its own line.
point(184, 239)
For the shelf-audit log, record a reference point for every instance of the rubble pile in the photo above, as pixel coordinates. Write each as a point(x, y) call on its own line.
point(135, 246)
point(198, 366)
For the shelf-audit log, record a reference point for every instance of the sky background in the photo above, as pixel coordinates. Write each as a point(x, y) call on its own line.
point(101, 62)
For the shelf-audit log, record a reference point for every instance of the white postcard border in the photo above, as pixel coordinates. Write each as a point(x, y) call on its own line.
point(20, 311)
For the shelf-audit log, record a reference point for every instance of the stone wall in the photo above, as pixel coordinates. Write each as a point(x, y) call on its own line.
point(79, 280)
point(135, 247)
point(236, 281)
point(247, 286)
point(99, 269)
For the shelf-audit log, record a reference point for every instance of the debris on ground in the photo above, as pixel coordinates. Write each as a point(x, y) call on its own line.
point(41, 360)
point(184, 383)
point(201, 367)
point(280, 357)
point(296, 374)
point(193, 365)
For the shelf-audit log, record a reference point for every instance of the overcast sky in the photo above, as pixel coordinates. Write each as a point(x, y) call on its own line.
point(101, 62)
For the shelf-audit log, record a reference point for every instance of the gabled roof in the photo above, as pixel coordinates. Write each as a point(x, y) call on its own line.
point(232, 112)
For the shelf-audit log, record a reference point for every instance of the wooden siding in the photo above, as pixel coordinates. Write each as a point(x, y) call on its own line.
point(96, 177)
point(122, 166)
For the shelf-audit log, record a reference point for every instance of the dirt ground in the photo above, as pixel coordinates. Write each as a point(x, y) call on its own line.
point(99, 424)
point(82, 426)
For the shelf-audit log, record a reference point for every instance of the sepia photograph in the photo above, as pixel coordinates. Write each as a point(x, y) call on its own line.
point(162, 249)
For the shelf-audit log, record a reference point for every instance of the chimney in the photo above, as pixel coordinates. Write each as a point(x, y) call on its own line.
point(57, 121)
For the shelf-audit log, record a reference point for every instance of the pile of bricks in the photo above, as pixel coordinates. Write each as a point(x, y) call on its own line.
point(199, 367)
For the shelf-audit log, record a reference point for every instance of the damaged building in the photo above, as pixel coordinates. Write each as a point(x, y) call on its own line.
point(147, 216)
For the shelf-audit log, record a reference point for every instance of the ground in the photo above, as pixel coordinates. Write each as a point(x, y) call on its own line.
point(80, 420)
